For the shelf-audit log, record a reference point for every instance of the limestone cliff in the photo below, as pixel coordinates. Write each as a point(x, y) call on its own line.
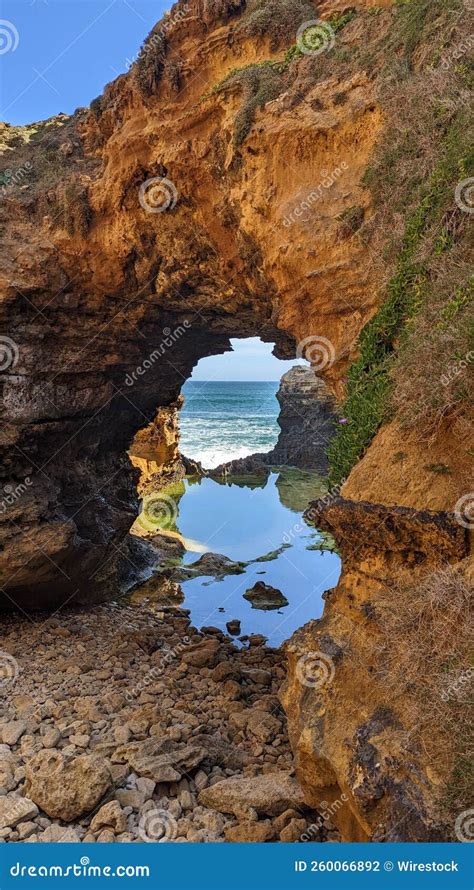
point(141, 239)
point(219, 189)
point(306, 421)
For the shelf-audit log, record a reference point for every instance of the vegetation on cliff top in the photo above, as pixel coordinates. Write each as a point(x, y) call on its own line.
point(261, 82)
point(426, 324)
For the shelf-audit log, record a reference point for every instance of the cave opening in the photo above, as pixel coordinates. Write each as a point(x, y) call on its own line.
point(226, 473)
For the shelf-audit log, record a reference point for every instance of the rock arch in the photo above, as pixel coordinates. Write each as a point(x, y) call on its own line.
point(103, 267)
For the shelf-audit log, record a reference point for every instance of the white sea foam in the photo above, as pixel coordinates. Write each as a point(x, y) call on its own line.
point(213, 457)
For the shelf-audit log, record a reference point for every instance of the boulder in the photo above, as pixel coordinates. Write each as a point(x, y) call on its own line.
point(15, 809)
point(59, 834)
point(110, 815)
point(12, 731)
point(263, 596)
point(162, 761)
point(7, 773)
point(67, 788)
point(271, 794)
point(250, 832)
point(213, 564)
point(233, 627)
point(203, 654)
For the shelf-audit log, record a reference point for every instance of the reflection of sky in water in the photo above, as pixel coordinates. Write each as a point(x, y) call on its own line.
point(243, 524)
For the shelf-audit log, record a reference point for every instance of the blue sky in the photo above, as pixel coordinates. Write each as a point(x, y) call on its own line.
point(250, 360)
point(66, 51)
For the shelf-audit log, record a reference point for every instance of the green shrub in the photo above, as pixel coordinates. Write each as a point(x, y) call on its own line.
point(260, 82)
point(150, 64)
point(276, 19)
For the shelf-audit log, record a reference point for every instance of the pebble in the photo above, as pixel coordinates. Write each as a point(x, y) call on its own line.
point(70, 700)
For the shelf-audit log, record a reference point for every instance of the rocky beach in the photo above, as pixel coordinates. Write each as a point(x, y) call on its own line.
point(123, 723)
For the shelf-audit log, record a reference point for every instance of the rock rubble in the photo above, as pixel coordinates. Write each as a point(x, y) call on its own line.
point(126, 724)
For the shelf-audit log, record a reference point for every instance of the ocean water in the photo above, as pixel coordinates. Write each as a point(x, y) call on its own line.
point(222, 421)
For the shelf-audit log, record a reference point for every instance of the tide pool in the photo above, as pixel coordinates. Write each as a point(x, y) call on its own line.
point(248, 523)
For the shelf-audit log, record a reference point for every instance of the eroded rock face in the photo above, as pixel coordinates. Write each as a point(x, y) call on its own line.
point(111, 294)
point(306, 421)
point(352, 745)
